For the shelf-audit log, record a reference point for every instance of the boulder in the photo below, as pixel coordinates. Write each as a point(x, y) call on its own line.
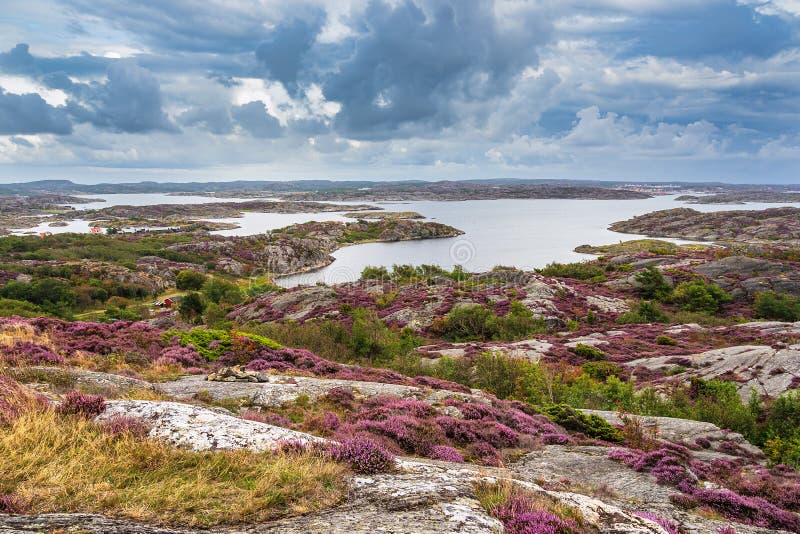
point(202, 429)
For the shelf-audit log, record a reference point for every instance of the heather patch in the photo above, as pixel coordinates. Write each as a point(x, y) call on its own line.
point(524, 512)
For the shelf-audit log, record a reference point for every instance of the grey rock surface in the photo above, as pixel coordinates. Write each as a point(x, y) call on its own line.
point(280, 389)
point(201, 429)
point(770, 371)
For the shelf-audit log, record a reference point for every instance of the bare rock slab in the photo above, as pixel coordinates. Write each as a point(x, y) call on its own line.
point(203, 429)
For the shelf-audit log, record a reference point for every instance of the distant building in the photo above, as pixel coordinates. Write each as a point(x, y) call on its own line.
point(96, 230)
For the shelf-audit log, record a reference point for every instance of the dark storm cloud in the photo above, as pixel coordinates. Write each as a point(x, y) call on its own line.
point(254, 118)
point(411, 67)
point(19, 60)
point(215, 119)
point(129, 101)
point(30, 114)
point(283, 53)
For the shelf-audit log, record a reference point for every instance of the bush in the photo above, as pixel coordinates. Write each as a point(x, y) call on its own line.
point(192, 307)
point(470, 323)
point(665, 340)
point(776, 306)
point(652, 284)
point(189, 280)
point(518, 323)
point(211, 344)
point(601, 370)
point(700, 296)
point(21, 308)
point(498, 374)
point(374, 273)
point(363, 455)
point(591, 425)
point(85, 405)
point(643, 312)
point(582, 270)
point(587, 352)
point(221, 291)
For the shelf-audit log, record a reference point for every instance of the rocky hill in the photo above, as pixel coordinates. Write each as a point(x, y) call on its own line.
point(592, 472)
point(775, 226)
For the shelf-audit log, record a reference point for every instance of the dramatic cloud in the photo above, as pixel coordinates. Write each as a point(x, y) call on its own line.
point(30, 114)
point(412, 67)
point(695, 89)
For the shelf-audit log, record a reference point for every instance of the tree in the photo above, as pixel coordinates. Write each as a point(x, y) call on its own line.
point(192, 307)
point(652, 284)
point(221, 291)
point(190, 280)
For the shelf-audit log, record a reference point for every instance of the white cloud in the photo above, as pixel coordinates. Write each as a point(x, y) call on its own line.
point(20, 85)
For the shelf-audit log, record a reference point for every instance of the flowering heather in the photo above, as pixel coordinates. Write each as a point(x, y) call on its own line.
point(122, 425)
point(520, 515)
point(484, 454)
point(83, 404)
point(750, 510)
point(10, 504)
point(341, 397)
point(727, 530)
point(666, 524)
point(556, 439)
point(363, 455)
point(33, 354)
point(759, 499)
point(410, 433)
point(268, 418)
point(446, 454)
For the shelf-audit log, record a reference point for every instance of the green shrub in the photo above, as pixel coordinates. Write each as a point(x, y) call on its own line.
point(587, 352)
point(582, 270)
point(652, 284)
point(700, 296)
point(218, 291)
point(191, 307)
point(643, 312)
point(518, 323)
point(470, 323)
point(776, 306)
point(665, 340)
point(113, 313)
point(592, 425)
point(189, 280)
point(498, 374)
point(212, 344)
point(374, 273)
point(601, 370)
point(11, 307)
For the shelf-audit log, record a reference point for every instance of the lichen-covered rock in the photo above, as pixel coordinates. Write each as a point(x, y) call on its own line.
point(589, 469)
point(607, 304)
point(770, 371)
point(201, 429)
point(91, 381)
point(272, 390)
point(684, 430)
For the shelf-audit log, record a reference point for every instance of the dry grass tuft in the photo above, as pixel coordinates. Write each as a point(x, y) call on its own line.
point(65, 464)
point(11, 334)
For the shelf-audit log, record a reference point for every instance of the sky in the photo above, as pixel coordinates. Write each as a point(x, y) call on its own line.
point(176, 90)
